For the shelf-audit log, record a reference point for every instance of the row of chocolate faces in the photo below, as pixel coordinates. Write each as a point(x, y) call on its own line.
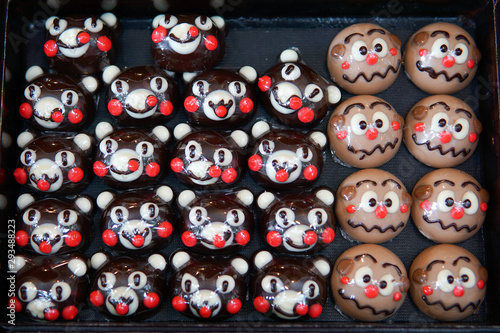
point(368, 283)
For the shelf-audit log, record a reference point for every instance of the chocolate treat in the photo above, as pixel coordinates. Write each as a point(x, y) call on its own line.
point(188, 43)
point(289, 288)
point(131, 158)
point(208, 158)
point(369, 282)
point(217, 222)
point(286, 159)
point(137, 220)
point(441, 131)
point(56, 101)
point(208, 288)
point(294, 94)
point(49, 288)
point(81, 44)
point(52, 226)
point(449, 206)
point(365, 132)
point(58, 163)
point(298, 223)
point(373, 206)
point(127, 287)
point(140, 95)
point(448, 282)
point(364, 58)
point(441, 58)
point(221, 98)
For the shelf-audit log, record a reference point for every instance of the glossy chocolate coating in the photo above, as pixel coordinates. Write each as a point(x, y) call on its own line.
point(49, 288)
point(441, 58)
point(220, 98)
point(142, 96)
point(80, 44)
point(208, 288)
point(136, 220)
point(372, 206)
point(187, 42)
point(128, 287)
point(365, 132)
point(298, 223)
point(441, 131)
point(449, 205)
point(215, 223)
point(448, 283)
point(364, 59)
point(289, 287)
point(369, 282)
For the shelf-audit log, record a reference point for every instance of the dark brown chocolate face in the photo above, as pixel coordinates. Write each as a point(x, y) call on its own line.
point(187, 43)
point(289, 288)
point(80, 44)
point(209, 288)
point(142, 95)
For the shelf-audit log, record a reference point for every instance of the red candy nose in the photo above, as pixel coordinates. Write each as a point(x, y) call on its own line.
point(25, 110)
point(371, 291)
point(328, 235)
point(273, 238)
point(57, 116)
point(104, 43)
point(371, 59)
point(448, 61)
point(96, 298)
point(83, 37)
point(457, 213)
point(138, 240)
point(177, 165)
point(301, 309)
point(50, 48)
point(381, 212)
point(151, 100)
point(264, 83)
point(133, 165)
point(219, 241)
point(179, 304)
point(242, 237)
point(445, 137)
point(281, 175)
point(261, 304)
point(458, 291)
point(121, 309)
point(310, 238)
point(189, 239)
point(295, 103)
point(43, 185)
point(205, 312)
point(75, 116)
point(45, 247)
point(221, 111)
point(193, 31)
point(73, 238)
point(315, 310)
point(234, 306)
point(159, 34)
point(151, 300)
point(372, 134)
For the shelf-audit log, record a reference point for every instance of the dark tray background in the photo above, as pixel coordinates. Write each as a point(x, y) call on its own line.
point(256, 37)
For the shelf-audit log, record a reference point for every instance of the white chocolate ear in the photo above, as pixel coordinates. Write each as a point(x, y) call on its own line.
point(289, 55)
point(319, 138)
point(109, 73)
point(181, 131)
point(262, 258)
point(326, 196)
point(260, 128)
point(334, 94)
point(219, 21)
point(240, 265)
point(83, 141)
point(103, 129)
point(323, 266)
point(265, 199)
point(179, 259)
point(110, 19)
point(24, 200)
point(90, 83)
point(24, 139)
point(104, 199)
point(33, 72)
point(109, 4)
point(98, 259)
point(162, 133)
point(246, 197)
point(165, 193)
point(16, 264)
point(6, 140)
point(186, 197)
point(49, 22)
point(84, 204)
point(3, 201)
point(188, 76)
point(161, 5)
point(156, 20)
point(157, 261)
point(78, 267)
point(240, 137)
point(249, 73)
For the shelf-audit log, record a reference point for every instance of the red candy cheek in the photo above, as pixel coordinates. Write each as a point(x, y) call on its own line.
point(397, 296)
point(22, 238)
point(273, 238)
point(344, 280)
point(229, 175)
point(69, 312)
point(50, 48)
point(164, 229)
point(75, 175)
point(403, 208)
point(189, 239)
point(255, 163)
point(315, 310)
point(345, 65)
point(328, 235)
point(191, 104)
point(261, 304)
point(153, 169)
point(166, 108)
point(151, 300)
point(15, 304)
point(264, 83)
point(96, 298)
point(115, 107)
point(109, 237)
point(351, 209)
point(395, 125)
point(393, 51)
point(472, 137)
point(310, 172)
point(159, 34)
point(179, 304)
point(243, 237)
point(481, 284)
point(75, 116)
point(211, 43)
point(73, 238)
point(246, 105)
point(177, 165)
point(470, 64)
point(104, 43)
point(100, 169)
point(483, 206)
point(25, 110)
point(234, 306)
point(305, 115)
point(427, 290)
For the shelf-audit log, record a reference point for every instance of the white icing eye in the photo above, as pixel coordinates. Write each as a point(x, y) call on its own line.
point(317, 217)
point(285, 217)
point(461, 129)
point(266, 147)
point(391, 202)
point(304, 154)
point(93, 24)
point(470, 203)
point(313, 93)
point(28, 157)
point(149, 211)
point(272, 284)
point(58, 26)
point(359, 50)
point(379, 45)
point(440, 47)
point(200, 88)
point(32, 92)
point(223, 157)
point(446, 200)
point(380, 121)
point(27, 291)
point(237, 88)
point(461, 53)
point(67, 217)
point(235, 217)
point(64, 159)
point(446, 281)
point(60, 291)
point(158, 84)
point(290, 72)
point(119, 214)
point(119, 87)
point(359, 125)
point(203, 22)
point(386, 285)
point(198, 215)
point(69, 97)
point(137, 280)
point(225, 284)
point(31, 216)
point(439, 122)
point(193, 151)
point(108, 146)
point(363, 276)
point(166, 21)
point(106, 281)
point(467, 277)
point(310, 289)
point(144, 149)
point(189, 283)
point(369, 201)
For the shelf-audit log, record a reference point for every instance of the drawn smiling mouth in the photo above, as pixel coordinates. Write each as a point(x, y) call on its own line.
point(365, 152)
point(369, 79)
point(451, 225)
point(455, 305)
point(50, 180)
point(352, 224)
point(433, 74)
point(113, 169)
point(361, 307)
point(452, 150)
point(297, 246)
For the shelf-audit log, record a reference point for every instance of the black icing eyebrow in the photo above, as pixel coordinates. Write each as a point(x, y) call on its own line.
point(349, 107)
point(359, 256)
point(361, 182)
point(437, 32)
point(398, 185)
point(464, 184)
point(372, 31)
point(386, 264)
point(446, 107)
point(467, 113)
point(449, 182)
point(348, 38)
point(466, 259)
point(374, 104)
point(459, 37)
point(429, 267)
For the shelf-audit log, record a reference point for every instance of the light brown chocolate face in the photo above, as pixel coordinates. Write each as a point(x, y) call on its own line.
point(365, 131)
point(441, 58)
point(447, 282)
point(369, 282)
point(449, 206)
point(372, 206)
point(441, 131)
point(364, 58)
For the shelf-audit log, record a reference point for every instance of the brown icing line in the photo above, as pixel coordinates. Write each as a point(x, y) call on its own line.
point(462, 37)
point(359, 256)
point(449, 182)
point(372, 31)
point(361, 182)
point(434, 262)
point(467, 113)
point(365, 152)
point(454, 225)
point(347, 40)
point(462, 151)
point(432, 73)
point(464, 258)
point(464, 184)
point(454, 305)
point(387, 264)
point(362, 307)
point(392, 181)
point(382, 76)
point(437, 32)
point(350, 222)
point(374, 104)
point(349, 107)
point(443, 104)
